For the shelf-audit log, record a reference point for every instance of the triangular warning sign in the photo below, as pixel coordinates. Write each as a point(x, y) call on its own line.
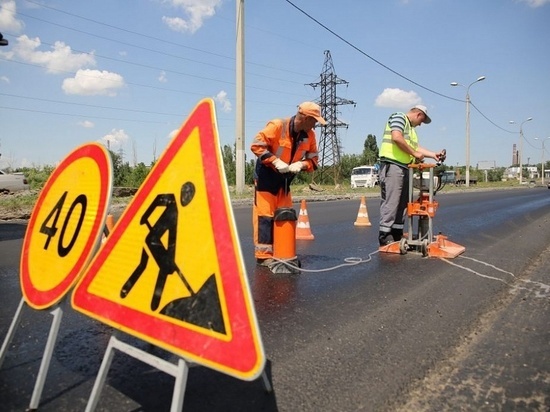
point(171, 272)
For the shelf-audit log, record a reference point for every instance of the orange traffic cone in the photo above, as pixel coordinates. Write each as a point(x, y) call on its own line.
point(109, 223)
point(362, 215)
point(303, 231)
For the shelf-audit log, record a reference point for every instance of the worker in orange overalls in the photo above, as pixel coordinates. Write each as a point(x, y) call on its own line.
point(284, 147)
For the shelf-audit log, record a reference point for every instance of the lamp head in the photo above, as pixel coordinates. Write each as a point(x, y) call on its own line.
point(454, 84)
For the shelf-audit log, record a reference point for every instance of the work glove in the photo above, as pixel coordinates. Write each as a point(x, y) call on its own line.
point(296, 167)
point(281, 166)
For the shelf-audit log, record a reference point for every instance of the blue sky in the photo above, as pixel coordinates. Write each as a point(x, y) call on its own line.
point(76, 72)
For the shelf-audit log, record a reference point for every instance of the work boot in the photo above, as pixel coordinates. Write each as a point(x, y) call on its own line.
point(264, 261)
point(385, 238)
point(397, 234)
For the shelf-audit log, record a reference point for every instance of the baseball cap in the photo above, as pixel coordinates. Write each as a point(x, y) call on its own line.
point(423, 109)
point(313, 110)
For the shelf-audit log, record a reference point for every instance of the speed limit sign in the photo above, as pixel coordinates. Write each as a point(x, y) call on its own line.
point(66, 225)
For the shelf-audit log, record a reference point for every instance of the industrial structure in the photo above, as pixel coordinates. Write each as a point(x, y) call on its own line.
point(329, 144)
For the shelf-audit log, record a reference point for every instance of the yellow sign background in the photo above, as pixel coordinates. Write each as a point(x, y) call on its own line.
point(47, 269)
point(195, 249)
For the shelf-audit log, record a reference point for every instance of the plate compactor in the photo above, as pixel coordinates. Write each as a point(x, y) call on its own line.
point(420, 214)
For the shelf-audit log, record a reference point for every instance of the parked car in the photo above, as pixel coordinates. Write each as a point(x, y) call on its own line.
point(12, 182)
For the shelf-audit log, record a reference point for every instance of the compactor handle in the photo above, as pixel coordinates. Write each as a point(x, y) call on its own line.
point(441, 157)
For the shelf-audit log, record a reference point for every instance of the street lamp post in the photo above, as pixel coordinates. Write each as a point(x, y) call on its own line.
point(542, 160)
point(520, 146)
point(480, 78)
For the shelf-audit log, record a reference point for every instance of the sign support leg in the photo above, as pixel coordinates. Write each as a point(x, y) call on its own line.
point(179, 386)
point(179, 371)
point(101, 376)
point(45, 364)
point(267, 384)
point(11, 331)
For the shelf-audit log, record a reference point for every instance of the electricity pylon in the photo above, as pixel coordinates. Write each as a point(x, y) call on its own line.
point(328, 144)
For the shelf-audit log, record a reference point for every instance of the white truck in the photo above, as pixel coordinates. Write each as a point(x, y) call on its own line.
point(364, 176)
point(13, 182)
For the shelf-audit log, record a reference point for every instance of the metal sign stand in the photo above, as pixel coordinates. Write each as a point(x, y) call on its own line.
point(57, 314)
point(11, 331)
point(179, 371)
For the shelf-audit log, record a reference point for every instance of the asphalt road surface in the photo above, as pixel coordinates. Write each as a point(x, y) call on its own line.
point(379, 332)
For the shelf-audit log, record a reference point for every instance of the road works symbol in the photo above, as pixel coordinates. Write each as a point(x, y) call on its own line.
point(171, 271)
point(65, 226)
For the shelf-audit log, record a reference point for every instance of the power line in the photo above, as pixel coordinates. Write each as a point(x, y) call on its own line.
point(89, 105)
point(124, 30)
point(219, 55)
point(387, 67)
point(152, 38)
point(80, 115)
point(370, 57)
point(217, 66)
point(489, 120)
point(154, 87)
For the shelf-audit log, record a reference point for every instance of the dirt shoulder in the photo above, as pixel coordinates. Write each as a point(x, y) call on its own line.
point(13, 207)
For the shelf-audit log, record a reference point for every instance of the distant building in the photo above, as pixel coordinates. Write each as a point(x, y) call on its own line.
point(513, 172)
point(515, 155)
point(533, 172)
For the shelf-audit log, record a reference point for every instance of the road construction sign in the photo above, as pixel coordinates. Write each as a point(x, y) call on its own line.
point(171, 272)
point(66, 224)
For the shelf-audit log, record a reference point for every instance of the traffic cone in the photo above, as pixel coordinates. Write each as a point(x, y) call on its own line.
point(303, 231)
point(109, 223)
point(363, 214)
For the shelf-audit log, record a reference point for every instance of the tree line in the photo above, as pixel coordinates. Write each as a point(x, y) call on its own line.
point(126, 175)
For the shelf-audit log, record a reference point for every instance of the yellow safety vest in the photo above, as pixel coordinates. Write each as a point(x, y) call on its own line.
point(390, 151)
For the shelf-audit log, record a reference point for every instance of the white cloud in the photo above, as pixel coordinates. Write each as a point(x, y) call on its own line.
point(397, 98)
point(173, 134)
point(86, 124)
point(5, 79)
point(196, 12)
point(60, 58)
point(162, 77)
point(222, 99)
point(535, 3)
point(8, 22)
point(116, 137)
point(93, 83)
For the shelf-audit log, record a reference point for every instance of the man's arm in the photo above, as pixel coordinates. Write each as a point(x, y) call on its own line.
point(429, 153)
point(399, 140)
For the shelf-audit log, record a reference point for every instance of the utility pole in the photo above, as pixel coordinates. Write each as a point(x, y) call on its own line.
point(239, 108)
point(329, 145)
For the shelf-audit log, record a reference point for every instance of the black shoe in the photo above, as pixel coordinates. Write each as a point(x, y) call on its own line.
point(385, 239)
